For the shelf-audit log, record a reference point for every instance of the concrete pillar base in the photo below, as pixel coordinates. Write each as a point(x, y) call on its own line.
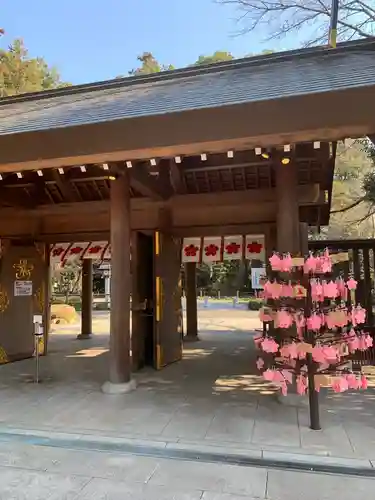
point(111, 388)
point(293, 400)
point(84, 336)
point(191, 338)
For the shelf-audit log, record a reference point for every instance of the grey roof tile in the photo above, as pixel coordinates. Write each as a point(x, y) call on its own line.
point(260, 79)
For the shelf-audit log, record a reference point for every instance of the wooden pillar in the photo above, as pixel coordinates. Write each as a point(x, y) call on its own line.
point(191, 301)
point(287, 208)
point(46, 302)
point(304, 238)
point(86, 313)
point(288, 236)
point(119, 351)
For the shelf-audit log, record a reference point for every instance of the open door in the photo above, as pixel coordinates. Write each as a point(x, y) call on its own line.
point(168, 309)
point(143, 348)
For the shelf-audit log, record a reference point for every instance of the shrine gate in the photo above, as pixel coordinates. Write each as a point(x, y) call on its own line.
point(245, 147)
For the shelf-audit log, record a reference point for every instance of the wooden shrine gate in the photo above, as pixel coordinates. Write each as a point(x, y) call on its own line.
point(361, 265)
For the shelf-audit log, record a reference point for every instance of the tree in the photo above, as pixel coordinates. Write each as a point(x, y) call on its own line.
point(67, 280)
point(20, 73)
point(216, 57)
point(351, 207)
point(312, 17)
point(149, 65)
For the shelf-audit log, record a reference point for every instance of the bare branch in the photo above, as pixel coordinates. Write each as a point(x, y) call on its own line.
point(285, 17)
point(349, 207)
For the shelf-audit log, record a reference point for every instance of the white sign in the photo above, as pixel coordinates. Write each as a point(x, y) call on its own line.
point(23, 288)
point(257, 273)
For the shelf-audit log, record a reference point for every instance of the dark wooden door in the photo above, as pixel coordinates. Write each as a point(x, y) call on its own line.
point(143, 349)
point(168, 310)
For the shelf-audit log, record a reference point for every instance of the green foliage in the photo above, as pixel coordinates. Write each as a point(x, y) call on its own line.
point(216, 57)
point(67, 281)
point(20, 73)
point(255, 304)
point(149, 65)
point(350, 205)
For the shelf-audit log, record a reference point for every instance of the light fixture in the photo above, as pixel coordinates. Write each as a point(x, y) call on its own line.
point(285, 160)
point(230, 154)
point(19, 175)
point(129, 164)
point(83, 168)
point(105, 166)
point(316, 145)
point(153, 162)
point(1, 177)
point(40, 173)
point(203, 157)
point(112, 177)
point(258, 151)
point(61, 171)
point(177, 159)
point(286, 148)
point(265, 156)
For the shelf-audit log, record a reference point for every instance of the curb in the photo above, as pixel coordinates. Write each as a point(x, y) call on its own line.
point(206, 454)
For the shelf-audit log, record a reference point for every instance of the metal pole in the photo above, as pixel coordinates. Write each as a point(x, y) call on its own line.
point(313, 395)
point(333, 25)
point(37, 357)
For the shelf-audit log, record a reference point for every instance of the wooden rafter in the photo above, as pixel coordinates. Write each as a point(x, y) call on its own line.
point(149, 185)
point(12, 198)
point(64, 186)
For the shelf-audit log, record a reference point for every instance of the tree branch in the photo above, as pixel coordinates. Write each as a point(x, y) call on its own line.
point(283, 17)
point(349, 207)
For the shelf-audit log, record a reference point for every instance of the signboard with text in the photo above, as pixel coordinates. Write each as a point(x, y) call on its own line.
point(23, 288)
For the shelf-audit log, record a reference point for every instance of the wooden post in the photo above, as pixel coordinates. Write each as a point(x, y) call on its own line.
point(191, 302)
point(287, 208)
point(86, 313)
point(288, 234)
point(304, 238)
point(119, 351)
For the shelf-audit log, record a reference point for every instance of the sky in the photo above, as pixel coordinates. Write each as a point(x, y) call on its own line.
point(92, 40)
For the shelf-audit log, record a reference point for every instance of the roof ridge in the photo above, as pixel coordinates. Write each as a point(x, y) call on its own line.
point(190, 71)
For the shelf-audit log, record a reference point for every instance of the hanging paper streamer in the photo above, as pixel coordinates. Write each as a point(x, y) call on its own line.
point(191, 249)
point(233, 247)
point(254, 247)
point(211, 251)
point(75, 252)
point(95, 250)
point(58, 252)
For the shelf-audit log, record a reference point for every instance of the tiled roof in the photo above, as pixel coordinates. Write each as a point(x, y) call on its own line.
point(260, 78)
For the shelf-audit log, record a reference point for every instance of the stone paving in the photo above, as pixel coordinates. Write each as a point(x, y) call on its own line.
point(212, 399)
point(46, 473)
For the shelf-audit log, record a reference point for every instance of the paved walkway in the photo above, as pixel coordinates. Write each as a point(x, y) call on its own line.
point(30, 472)
point(211, 401)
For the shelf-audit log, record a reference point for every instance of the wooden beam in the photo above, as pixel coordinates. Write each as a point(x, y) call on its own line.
point(64, 186)
point(148, 185)
point(176, 177)
point(14, 199)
